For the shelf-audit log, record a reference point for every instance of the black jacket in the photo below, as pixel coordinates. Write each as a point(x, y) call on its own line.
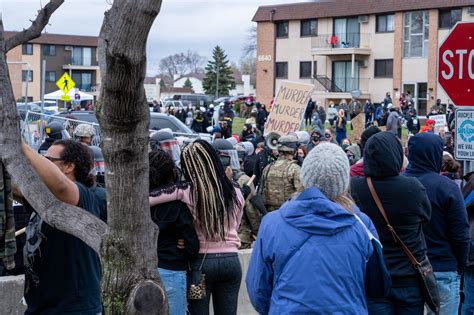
point(249, 164)
point(405, 202)
point(175, 222)
point(447, 234)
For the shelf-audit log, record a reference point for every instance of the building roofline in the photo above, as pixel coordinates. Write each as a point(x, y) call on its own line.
point(325, 9)
point(61, 39)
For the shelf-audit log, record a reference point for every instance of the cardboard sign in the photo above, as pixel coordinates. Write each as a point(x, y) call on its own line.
point(358, 126)
point(289, 107)
point(464, 141)
point(440, 122)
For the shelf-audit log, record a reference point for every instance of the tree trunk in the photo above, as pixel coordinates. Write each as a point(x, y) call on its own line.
point(131, 283)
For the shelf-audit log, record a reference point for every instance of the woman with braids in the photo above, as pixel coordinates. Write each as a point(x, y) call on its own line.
point(217, 205)
point(176, 223)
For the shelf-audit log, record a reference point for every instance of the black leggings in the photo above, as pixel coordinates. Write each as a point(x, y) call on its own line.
point(223, 276)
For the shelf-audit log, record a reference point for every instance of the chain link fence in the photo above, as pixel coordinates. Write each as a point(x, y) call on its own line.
point(34, 135)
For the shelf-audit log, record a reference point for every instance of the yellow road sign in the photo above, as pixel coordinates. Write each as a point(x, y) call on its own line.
point(65, 83)
point(65, 98)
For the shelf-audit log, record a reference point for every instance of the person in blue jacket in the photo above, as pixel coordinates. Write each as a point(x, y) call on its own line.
point(310, 256)
point(447, 234)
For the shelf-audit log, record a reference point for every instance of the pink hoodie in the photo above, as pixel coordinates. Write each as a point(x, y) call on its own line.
point(183, 193)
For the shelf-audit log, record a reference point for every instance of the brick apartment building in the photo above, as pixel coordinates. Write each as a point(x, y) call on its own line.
point(345, 45)
point(76, 55)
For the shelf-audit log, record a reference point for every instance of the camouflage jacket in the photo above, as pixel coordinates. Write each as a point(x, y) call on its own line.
point(281, 179)
point(251, 218)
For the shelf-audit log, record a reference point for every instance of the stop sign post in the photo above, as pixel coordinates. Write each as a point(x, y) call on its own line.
point(456, 64)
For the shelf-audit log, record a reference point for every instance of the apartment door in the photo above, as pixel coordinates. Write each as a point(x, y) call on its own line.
point(419, 92)
point(341, 76)
point(347, 31)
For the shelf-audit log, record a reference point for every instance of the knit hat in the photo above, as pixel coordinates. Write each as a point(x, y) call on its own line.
point(327, 168)
point(369, 132)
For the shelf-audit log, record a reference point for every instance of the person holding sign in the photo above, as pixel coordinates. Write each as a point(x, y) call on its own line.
point(341, 132)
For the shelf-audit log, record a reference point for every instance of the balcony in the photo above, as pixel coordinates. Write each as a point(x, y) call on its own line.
point(72, 63)
point(340, 87)
point(341, 44)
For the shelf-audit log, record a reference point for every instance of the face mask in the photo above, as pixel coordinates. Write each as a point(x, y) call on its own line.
point(344, 146)
point(299, 159)
point(316, 138)
point(352, 159)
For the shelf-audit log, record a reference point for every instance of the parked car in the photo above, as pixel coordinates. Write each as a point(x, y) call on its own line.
point(50, 107)
point(196, 99)
point(23, 108)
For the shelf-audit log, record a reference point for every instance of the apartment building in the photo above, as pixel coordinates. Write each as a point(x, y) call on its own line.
point(76, 55)
point(368, 47)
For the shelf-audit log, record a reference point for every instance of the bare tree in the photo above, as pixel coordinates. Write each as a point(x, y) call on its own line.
point(182, 63)
point(67, 218)
point(195, 62)
point(250, 46)
point(131, 282)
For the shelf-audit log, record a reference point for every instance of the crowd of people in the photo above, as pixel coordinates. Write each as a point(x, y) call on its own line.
point(319, 212)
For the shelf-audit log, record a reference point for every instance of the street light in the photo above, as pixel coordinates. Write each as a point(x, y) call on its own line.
point(27, 75)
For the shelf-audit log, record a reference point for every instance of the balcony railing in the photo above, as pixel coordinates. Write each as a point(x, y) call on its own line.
point(341, 40)
point(84, 87)
point(75, 61)
point(342, 85)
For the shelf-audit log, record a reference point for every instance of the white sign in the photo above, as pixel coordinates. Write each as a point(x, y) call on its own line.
point(264, 58)
point(440, 122)
point(464, 141)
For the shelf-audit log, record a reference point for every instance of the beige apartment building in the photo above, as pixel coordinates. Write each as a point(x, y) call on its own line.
point(76, 55)
point(370, 47)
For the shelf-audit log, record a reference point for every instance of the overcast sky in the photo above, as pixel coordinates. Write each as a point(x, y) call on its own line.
point(181, 25)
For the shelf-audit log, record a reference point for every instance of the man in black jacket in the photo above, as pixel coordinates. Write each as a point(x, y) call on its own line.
point(407, 207)
point(447, 234)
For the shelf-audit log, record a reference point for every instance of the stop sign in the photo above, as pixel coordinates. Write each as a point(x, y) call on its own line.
point(456, 64)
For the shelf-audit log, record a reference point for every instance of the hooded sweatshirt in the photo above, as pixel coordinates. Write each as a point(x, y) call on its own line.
point(447, 234)
point(404, 200)
point(310, 258)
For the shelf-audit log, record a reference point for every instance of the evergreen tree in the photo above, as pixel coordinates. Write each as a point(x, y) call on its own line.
point(188, 83)
point(219, 64)
point(162, 83)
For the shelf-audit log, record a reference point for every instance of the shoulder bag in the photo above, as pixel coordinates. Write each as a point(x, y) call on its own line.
point(429, 287)
point(197, 282)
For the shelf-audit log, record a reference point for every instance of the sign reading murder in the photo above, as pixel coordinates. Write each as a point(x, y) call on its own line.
point(464, 141)
point(289, 107)
point(440, 122)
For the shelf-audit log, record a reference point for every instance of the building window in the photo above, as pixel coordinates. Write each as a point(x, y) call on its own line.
point(449, 18)
point(315, 69)
point(51, 76)
point(415, 34)
point(384, 68)
point(305, 69)
point(83, 81)
point(309, 28)
point(26, 74)
point(281, 70)
point(282, 29)
point(27, 49)
point(49, 50)
point(82, 56)
point(385, 23)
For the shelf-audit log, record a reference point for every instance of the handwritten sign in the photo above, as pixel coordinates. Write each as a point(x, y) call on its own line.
point(288, 108)
point(440, 122)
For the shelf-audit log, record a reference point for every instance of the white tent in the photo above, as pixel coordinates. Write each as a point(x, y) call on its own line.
point(56, 96)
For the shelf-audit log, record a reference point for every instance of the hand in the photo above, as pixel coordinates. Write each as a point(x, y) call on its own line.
point(181, 244)
point(229, 173)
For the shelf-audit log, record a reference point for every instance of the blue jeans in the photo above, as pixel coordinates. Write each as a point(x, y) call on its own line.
point(449, 283)
point(175, 286)
point(468, 306)
point(399, 301)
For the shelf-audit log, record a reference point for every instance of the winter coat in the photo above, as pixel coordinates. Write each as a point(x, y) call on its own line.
point(394, 122)
point(447, 234)
point(332, 112)
point(310, 258)
point(405, 202)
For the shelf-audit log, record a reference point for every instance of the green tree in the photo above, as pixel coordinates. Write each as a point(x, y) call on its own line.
point(188, 83)
point(162, 83)
point(218, 70)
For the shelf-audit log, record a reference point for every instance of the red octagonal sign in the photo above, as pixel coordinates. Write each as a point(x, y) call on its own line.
point(456, 64)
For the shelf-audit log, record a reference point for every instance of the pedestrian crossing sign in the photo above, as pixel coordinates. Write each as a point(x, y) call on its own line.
point(65, 83)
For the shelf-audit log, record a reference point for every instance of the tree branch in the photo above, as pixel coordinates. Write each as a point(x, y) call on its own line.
point(36, 27)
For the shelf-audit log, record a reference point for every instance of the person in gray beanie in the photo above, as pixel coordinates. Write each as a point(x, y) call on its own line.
point(314, 243)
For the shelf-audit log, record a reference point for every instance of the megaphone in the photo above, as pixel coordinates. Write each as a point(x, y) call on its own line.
point(303, 137)
point(272, 140)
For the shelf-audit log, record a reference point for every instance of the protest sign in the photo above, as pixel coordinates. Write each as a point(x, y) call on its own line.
point(289, 107)
point(440, 122)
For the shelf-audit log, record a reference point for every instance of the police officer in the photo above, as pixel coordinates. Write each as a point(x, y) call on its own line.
point(281, 179)
point(84, 133)
point(54, 131)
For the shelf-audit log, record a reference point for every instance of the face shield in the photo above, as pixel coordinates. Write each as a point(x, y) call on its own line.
point(234, 158)
point(172, 148)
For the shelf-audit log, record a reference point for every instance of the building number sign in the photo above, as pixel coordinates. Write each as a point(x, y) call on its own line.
point(263, 58)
